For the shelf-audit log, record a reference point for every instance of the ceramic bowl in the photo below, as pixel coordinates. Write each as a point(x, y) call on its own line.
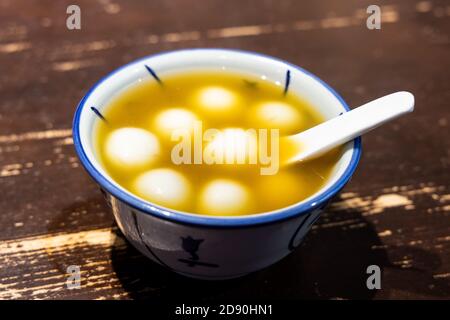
point(201, 246)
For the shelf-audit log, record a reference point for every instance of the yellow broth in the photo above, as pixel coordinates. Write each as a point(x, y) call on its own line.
point(139, 105)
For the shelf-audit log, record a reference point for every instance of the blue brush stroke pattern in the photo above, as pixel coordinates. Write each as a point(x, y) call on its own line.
point(140, 233)
point(98, 114)
point(153, 73)
point(287, 82)
point(291, 245)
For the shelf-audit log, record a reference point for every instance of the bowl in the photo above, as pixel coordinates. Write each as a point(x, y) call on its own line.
point(201, 246)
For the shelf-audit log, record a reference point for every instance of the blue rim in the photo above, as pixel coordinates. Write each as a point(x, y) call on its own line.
point(207, 221)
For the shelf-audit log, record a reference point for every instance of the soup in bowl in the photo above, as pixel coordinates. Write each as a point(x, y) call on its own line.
point(186, 145)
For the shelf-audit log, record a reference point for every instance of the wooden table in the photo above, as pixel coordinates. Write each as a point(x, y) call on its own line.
point(394, 213)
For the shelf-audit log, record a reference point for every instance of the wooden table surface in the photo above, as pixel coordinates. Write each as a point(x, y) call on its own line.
point(394, 213)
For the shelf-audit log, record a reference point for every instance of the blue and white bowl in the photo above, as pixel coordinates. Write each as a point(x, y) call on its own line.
point(200, 246)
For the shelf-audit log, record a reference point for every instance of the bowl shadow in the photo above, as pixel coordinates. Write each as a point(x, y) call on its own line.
point(330, 263)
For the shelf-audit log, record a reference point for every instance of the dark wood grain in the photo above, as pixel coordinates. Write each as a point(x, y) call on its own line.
point(394, 213)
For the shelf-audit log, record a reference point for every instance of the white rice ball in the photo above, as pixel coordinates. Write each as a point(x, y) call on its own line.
point(164, 186)
point(235, 145)
point(217, 101)
point(167, 121)
point(277, 115)
point(130, 148)
point(225, 197)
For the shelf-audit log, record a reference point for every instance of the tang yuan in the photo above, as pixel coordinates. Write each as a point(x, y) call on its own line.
point(168, 121)
point(232, 145)
point(218, 101)
point(277, 114)
point(225, 197)
point(216, 98)
point(225, 161)
point(130, 148)
point(163, 186)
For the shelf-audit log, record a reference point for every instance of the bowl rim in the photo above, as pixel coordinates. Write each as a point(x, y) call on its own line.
point(147, 207)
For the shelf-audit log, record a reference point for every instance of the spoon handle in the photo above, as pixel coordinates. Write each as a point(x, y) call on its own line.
point(332, 133)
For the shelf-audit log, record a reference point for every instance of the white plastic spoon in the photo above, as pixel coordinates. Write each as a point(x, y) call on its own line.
point(337, 131)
